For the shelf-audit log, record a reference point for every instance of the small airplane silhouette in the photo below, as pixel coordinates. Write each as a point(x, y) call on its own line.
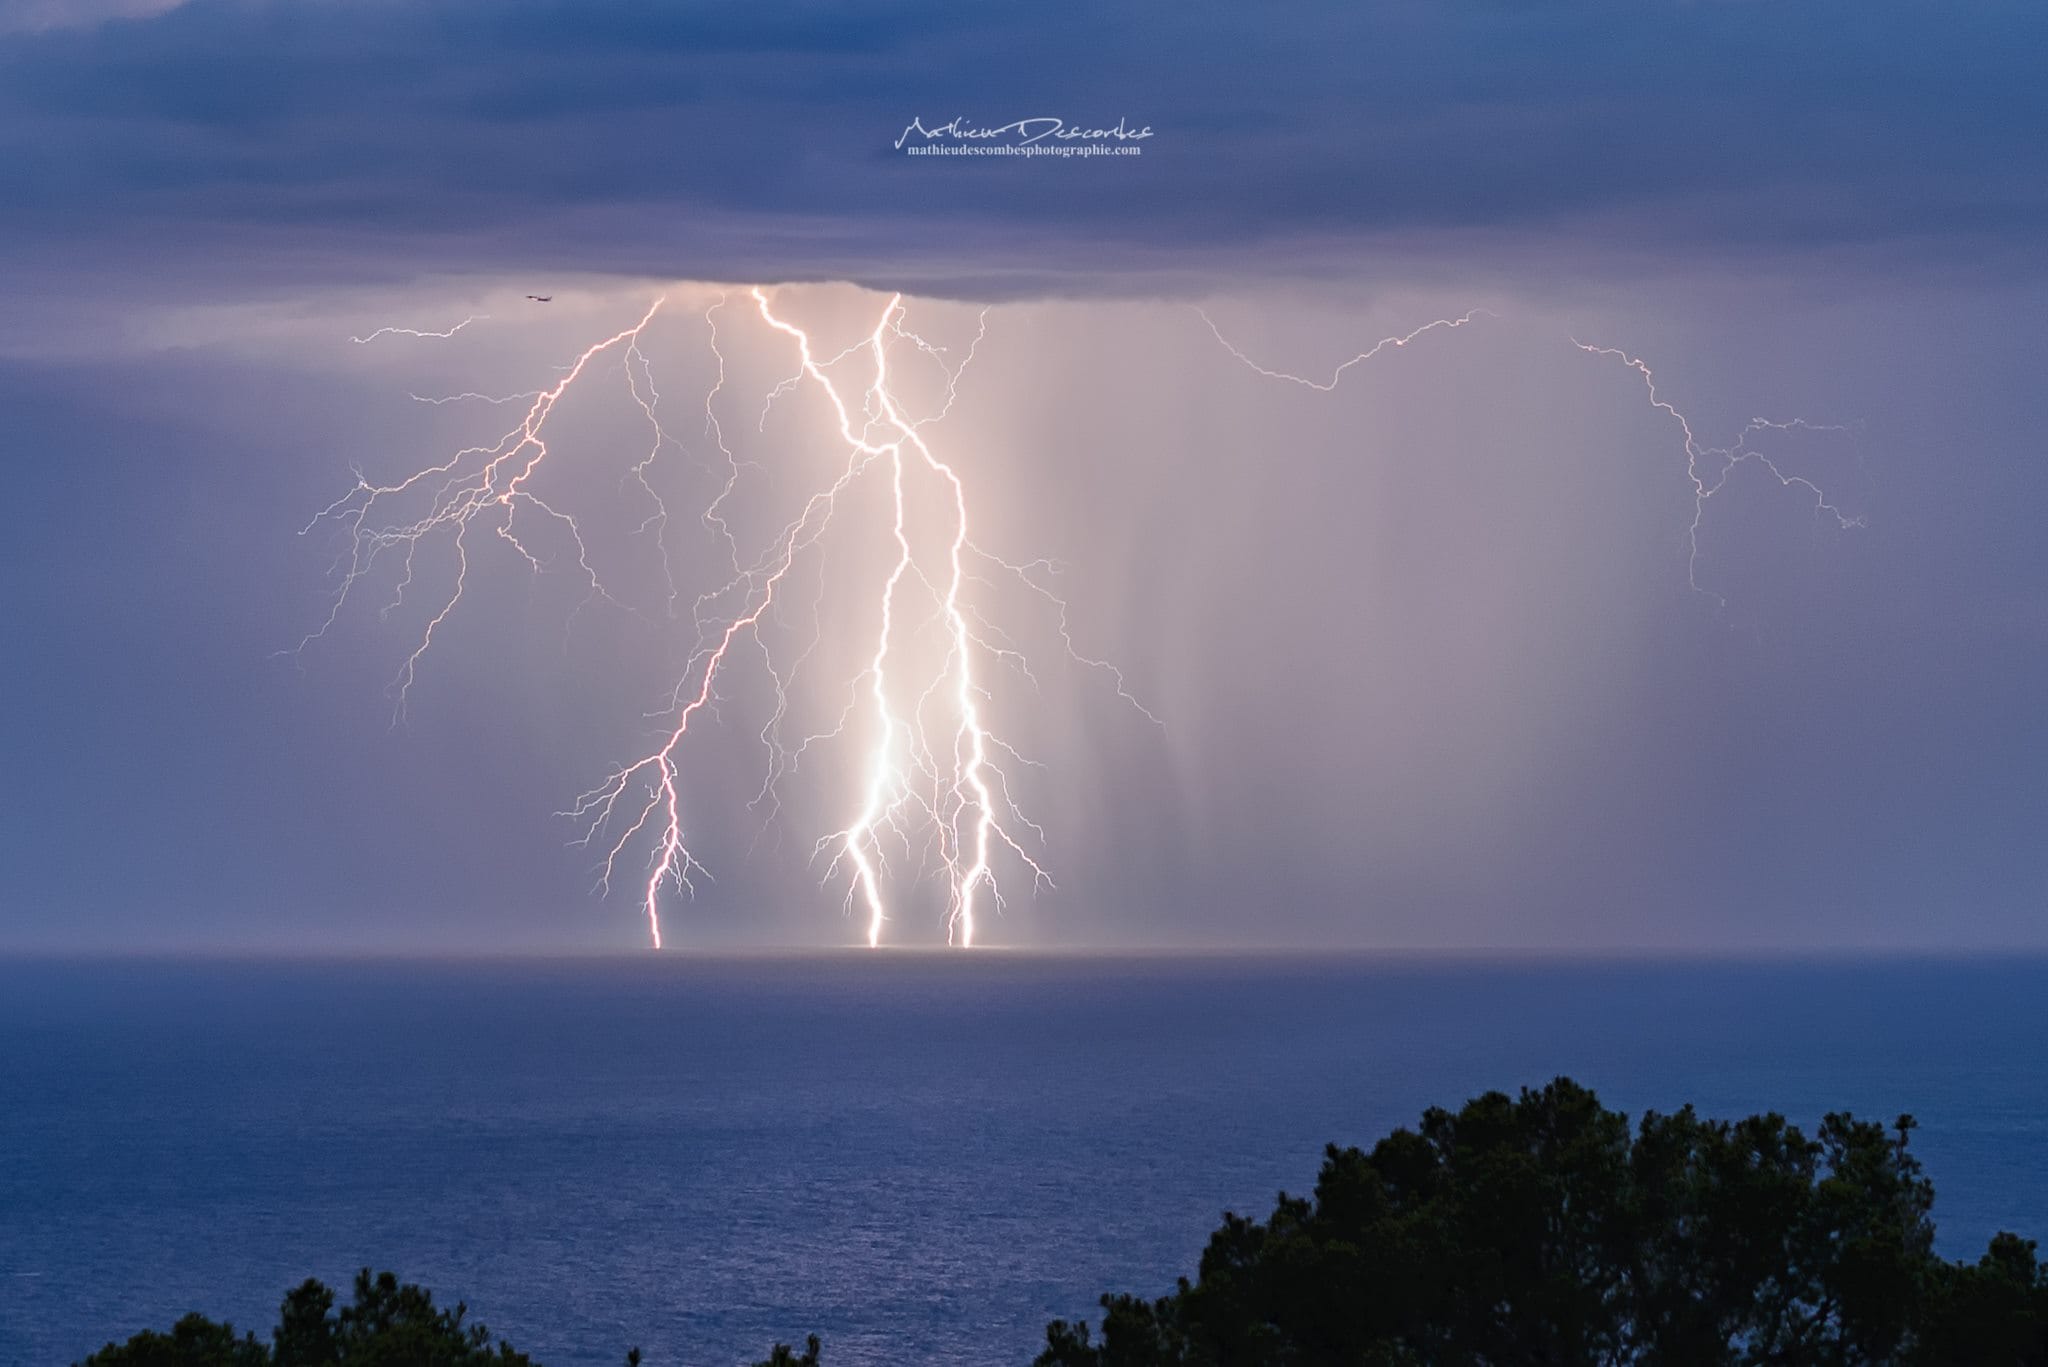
point(541, 298)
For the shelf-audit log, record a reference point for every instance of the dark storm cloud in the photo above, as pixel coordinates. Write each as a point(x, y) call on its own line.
point(755, 141)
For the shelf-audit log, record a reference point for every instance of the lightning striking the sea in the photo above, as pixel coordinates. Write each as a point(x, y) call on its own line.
point(934, 774)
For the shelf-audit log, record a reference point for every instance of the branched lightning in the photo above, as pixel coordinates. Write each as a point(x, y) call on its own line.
point(1723, 460)
point(933, 777)
point(417, 332)
point(478, 486)
point(1361, 358)
point(1708, 467)
point(472, 397)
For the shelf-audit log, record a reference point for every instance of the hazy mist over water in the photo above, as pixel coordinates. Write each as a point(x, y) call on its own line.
point(922, 1157)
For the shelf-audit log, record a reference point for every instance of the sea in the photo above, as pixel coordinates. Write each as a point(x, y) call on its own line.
point(921, 1157)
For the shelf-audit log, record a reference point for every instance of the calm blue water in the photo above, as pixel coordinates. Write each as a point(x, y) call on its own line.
point(921, 1157)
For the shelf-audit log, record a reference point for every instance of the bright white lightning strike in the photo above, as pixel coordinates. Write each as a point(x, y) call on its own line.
point(932, 761)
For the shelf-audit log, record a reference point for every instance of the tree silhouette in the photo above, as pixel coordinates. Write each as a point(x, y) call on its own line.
point(786, 1356)
point(388, 1324)
point(1543, 1230)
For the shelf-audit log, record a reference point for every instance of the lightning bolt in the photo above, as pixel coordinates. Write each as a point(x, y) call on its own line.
point(478, 486)
point(1337, 374)
point(1707, 467)
point(416, 332)
point(933, 773)
point(1721, 462)
point(494, 400)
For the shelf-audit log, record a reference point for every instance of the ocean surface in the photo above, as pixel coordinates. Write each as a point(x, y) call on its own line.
point(921, 1157)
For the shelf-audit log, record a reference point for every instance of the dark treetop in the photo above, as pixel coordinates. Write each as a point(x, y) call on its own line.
point(1544, 1230)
